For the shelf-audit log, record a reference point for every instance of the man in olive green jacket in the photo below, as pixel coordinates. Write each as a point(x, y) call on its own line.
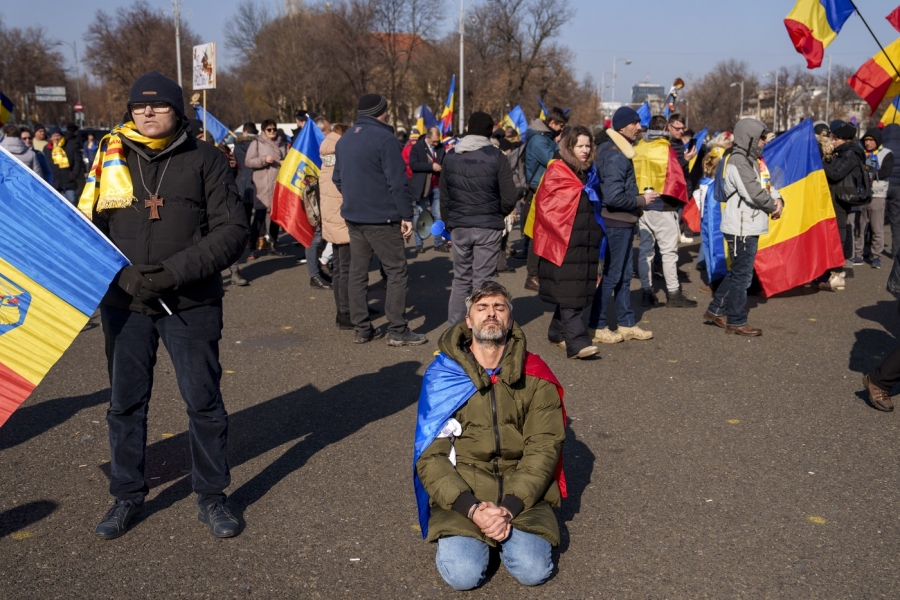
point(488, 444)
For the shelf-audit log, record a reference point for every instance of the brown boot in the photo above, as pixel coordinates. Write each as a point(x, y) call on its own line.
point(881, 399)
point(532, 283)
point(708, 317)
point(744, 330)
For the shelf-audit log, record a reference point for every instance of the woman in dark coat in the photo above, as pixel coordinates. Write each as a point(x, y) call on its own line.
point(567, 240)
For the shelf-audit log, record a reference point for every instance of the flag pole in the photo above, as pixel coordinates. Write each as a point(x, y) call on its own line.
point(875, 38)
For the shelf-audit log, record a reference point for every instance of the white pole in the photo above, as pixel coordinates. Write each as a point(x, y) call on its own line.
point(742, 99)
point(615, 60)
point(775, 120)
point(176, 10)
point(462, 68)
point(828, 92)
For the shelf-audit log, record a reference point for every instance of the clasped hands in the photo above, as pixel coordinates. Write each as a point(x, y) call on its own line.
point(493, 520)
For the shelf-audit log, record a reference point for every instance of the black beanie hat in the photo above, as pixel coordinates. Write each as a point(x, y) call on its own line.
point(625, 116)
point(372, 105)
point(480, 124)
point(156, 87)
point(844, 131)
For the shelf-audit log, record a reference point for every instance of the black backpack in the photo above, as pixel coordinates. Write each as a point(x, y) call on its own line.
point(855, 189)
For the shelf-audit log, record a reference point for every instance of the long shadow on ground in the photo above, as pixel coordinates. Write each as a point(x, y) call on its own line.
point(33, 420)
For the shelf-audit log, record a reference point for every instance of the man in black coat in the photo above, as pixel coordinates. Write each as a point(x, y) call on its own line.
point(180, 226)
point(477, 192)
point(370, 174)
point(66, 164)
point(425, 158)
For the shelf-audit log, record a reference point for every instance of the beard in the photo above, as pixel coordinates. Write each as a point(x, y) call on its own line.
point(490, 332)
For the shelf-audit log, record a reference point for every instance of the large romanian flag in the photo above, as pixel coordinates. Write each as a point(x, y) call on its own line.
point(804, 242)
point(55, 267)
point(813, 24)
point(656, 166)
point(447, 113)
point(299, 167)
point(877, 78)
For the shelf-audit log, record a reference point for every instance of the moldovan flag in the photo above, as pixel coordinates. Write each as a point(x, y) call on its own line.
point(447, 113)
point(299, 167)
point(656, 166)
point(813, 24)
point(804, 242)
point(55, 267)
point(891, 113)
point(877, 78)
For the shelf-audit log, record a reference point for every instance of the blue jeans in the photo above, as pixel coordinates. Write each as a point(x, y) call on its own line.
point(617, 271)
point(731, 296)
point(432, 203)
point(191, 338)
point(312, 254)
point(463, 561)
point(70, 196)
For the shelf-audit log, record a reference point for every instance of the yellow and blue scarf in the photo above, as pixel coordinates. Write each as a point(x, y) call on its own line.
point(58, 154)
point(109, 182)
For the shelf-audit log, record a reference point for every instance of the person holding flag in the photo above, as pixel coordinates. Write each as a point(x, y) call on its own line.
point(264, 156)
point(487, 460)
point(370, 174)
point(168, 201)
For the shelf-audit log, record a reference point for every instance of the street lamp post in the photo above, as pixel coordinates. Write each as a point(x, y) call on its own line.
point(176, 12)
point(775, 118)
point(79, 117)
point(616, 60)
point(740, 83)
point(462, 67)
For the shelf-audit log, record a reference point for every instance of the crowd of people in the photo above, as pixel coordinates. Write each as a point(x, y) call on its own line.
point(580, 197)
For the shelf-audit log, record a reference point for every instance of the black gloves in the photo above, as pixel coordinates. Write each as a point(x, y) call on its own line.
point(146, 283)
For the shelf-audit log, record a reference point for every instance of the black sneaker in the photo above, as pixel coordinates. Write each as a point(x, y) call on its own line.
point(317, 282)
point(364, 338)
point(222, 524)
point(648, 298)
point(116, 521)
point(342, 320)
point(679, 300)
point(445, 248)
point(407, 338)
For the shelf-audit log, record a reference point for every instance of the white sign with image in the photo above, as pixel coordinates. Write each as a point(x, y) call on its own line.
point(205, 66)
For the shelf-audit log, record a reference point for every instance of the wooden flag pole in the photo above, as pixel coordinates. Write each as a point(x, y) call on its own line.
point(204, 114)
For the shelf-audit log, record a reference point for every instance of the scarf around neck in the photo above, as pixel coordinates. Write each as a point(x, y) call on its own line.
point(58, 154)
point(108, 184)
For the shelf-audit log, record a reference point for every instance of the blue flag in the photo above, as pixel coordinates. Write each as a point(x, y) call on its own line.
point(644, 112)
point(713, 242)
point(516, 119)
point(213, 126)
point(700, 138)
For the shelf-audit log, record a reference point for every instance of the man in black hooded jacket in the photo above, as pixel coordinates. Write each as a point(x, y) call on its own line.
point(179, 221)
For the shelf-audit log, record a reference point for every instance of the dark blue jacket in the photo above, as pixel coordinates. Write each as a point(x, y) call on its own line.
point(539, 151)
point(477, 188)
point(370, 173)
point(891, 141)
point(422, 166)
point(618, 186)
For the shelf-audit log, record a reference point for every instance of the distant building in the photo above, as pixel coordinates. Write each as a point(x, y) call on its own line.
point(647, 91)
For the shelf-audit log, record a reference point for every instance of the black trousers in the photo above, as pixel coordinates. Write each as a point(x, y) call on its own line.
point(567, 325)
point(892, 210)
point(887, 374)
point(386, 241)
point(341, 277)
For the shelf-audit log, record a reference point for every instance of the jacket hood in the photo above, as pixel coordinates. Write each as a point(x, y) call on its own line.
point(891, 133)
point(655, 134)
point(470, 143)
point(873, 133)
point(747, 134)
point(329, 143)
point(538, 126)
point(457, 341)
point(245, 137)
point(14, 145)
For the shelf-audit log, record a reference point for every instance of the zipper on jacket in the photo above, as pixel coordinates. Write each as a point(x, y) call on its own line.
point(496, 446)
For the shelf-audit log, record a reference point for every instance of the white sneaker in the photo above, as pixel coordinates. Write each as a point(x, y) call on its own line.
point(634, 333)
point(585, 352)
point(685, 239)
point(835, 283)
point(605, 336)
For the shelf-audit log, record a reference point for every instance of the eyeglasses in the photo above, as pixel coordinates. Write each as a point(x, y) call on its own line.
point(676, 128)
point(270, 129)
point(25, 138)
point(157, 107)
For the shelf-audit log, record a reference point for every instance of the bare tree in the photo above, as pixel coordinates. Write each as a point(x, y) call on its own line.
point(30, 59)
point(251, 17)
point(713, 99)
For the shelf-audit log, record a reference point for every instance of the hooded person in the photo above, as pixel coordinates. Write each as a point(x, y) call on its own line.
point(169, 203)
point(879, 165)
point(749, 203)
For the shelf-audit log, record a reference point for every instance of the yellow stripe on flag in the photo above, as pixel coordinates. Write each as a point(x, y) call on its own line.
point(806, 202)
point(651, 161)
point(49, 327)
point(295, 167)
point(813, 15)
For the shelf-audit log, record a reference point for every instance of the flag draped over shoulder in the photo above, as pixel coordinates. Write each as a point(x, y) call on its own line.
point(445, 388)
point(214, 127)
point(877, 78)
point(55, 267)
point(804, 242)
point(656, 166)
point(447, 113)
point(814, 24)
point(553, 211)
point(516, 119)
point(6, 109)
point(715, 249)
point(299, 167)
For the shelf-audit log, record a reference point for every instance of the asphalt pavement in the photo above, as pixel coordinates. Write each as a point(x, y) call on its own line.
point(700, 464)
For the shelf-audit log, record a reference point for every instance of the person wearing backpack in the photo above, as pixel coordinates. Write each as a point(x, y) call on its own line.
point(850, 190)
point(749, 204)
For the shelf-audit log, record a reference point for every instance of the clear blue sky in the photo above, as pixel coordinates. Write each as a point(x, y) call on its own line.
point(663, 39)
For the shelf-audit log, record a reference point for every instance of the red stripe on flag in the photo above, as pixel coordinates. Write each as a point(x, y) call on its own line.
point(691, 215)
point(676, 185)
point(14, 389)
point(288, 211)
point(805, 43)
point(894, 18)
point(871, 82)
point(800, 259)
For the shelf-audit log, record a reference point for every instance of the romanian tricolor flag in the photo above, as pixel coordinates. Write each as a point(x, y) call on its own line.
point(543, 114)
point(656, 166)
point(891, 113)
point(447, 113)
point(804, 242)
point(298, 169)
point(877, 78)
point(6, 109)
point(55, 267)
point(813, 24)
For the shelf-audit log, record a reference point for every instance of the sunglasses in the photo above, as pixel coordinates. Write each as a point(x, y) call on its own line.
point(157, 107)
point(25, 138)
point(270, 129)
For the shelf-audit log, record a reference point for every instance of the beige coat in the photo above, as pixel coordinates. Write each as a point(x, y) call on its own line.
point(265, 175)
point(334, 229)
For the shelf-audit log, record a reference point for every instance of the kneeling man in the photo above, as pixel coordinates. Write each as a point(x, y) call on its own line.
point(487, 464)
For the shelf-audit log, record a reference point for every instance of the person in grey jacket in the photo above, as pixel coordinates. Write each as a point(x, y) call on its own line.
point(18, 149)
point(745, 218)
